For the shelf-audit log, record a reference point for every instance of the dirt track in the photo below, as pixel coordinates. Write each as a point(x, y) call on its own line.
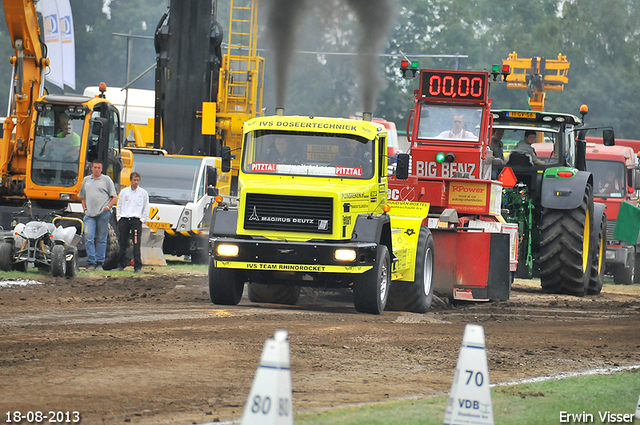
point(154, 350)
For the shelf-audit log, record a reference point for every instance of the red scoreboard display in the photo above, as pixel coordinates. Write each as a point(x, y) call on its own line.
point(454, 86)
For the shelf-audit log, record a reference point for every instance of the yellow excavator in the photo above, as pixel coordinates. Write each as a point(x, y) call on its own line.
point(49, 140)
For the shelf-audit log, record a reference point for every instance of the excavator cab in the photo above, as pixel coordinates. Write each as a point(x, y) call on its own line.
point(69, 133)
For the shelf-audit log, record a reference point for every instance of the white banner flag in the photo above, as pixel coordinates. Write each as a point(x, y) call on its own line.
point(52, 39)
point(68, 43)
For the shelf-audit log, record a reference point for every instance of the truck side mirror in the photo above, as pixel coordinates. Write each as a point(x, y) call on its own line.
point(225, 154)
point(402, 166)
point(212, 180)
point(608, 138)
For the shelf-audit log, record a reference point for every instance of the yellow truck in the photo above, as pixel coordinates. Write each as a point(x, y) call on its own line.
point(313, 211)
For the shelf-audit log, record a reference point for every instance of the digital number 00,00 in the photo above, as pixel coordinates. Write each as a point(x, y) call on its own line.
point(462, 87)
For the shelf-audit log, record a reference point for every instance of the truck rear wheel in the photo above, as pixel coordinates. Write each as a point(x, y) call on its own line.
point(58, 261)
point(625, 275)
point(371, 289)
point(273, 293)
point(224, 287)
point(416, 296)
point(565, 248)
point(596, 279)
point(6, 254)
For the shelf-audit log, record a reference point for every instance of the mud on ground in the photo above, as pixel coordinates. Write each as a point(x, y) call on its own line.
point(152, 349)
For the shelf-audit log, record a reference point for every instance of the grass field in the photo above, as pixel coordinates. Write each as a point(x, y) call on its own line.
point(539, 403)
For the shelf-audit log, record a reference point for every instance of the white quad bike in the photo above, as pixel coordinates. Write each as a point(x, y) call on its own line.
point(46, 245)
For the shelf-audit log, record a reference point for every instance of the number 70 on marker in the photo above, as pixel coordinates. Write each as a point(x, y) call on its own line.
point(474, 378)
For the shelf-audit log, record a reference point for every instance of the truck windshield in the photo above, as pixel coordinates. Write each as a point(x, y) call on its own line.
point(608, 178)
point(446, 122)
point(57, 145)
point(168, 179)
point(545, 146)
point(308, 154)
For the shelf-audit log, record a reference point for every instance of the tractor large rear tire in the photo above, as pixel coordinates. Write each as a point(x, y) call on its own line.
point(565, 248)
point(371, 288)
point(596, 279)
point(416, 296)
point(224, 285)
point(273, 293)
point(6, 255)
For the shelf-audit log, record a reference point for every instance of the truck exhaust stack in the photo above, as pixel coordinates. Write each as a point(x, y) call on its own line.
point(366, 116)
point(279, 112)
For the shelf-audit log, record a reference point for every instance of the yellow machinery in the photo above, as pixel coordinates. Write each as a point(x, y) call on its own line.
point(240, 81)
point(537, 75)
point(240, 87)
point(181, 207)
point(47, 141)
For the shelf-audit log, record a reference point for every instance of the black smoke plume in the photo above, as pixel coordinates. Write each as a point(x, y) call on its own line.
point(283, 19)
point(375, 17)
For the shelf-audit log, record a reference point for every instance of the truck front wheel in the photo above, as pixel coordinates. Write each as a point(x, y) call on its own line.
point(224, 287)
point(371, 289)
point(565, 248)
point(416, 296)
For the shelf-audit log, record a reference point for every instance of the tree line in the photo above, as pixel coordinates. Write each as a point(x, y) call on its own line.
point(601, 39)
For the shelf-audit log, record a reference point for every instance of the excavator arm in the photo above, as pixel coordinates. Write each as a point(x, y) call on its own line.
point(27, 84)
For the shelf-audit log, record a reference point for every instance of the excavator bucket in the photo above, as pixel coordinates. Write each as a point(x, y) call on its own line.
point(151, 247)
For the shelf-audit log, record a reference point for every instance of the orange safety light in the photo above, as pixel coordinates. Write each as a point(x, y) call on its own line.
point(507, 177)
point(386, 208)
point(565, 174)
point(219, 199)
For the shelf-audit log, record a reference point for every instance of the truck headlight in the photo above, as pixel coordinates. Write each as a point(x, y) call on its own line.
point(610, 255)
point(345, 254)
point(227, 250)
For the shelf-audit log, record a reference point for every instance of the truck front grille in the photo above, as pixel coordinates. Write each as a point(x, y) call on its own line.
point(283, 213)
point(611, 224)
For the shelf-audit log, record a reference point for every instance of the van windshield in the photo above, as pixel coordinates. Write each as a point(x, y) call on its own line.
point(308, 154)
point(167, 179)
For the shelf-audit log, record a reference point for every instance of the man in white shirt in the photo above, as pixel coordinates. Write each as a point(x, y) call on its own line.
point(132, 210)
point(456, 131)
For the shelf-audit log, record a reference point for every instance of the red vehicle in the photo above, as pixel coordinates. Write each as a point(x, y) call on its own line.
point(449, 136)
point(634, 144)
point(615, 179)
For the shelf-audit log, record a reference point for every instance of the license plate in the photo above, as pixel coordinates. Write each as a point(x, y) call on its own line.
point(514, 114)
point(157, 225)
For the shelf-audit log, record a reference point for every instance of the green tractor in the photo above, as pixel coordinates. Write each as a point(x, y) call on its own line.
point(562, 232)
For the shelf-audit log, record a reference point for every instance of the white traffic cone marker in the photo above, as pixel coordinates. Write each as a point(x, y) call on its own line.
point(270, 400)
point(470, 397)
